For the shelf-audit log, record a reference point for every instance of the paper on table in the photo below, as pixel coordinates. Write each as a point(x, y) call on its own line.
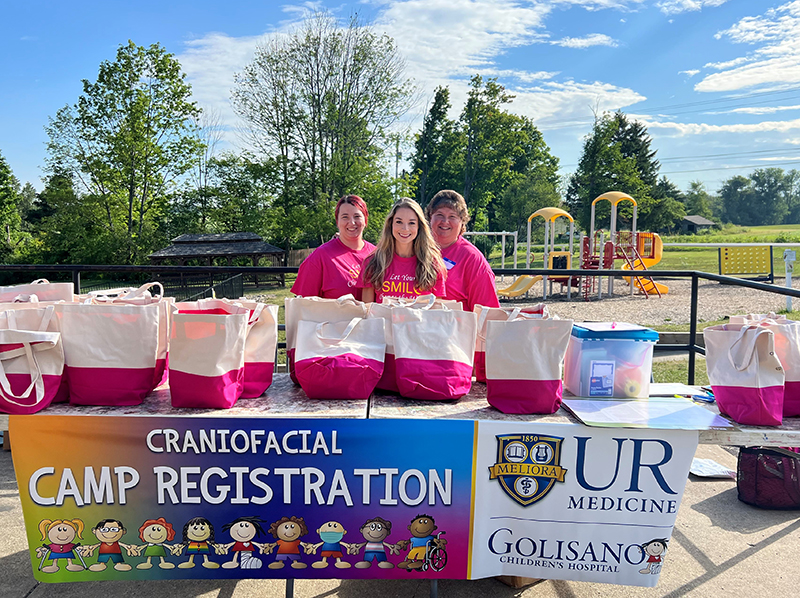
point(670, 389)
point(664, 413)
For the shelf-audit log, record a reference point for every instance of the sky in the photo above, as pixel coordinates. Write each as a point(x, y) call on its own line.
point(716, 82)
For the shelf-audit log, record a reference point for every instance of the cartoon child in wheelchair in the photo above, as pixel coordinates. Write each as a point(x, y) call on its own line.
point(426, 550)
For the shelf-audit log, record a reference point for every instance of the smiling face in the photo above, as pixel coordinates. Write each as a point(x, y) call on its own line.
point(61, 534)
point(333, 531)
point(244, 531)
point(155, 534)
point(109, 532)
point(288, 532)
point(655, 548)
point(405, 226)
point(445, 226)
point(421, 527)
point(198, 532)
point(351, 224)
point(374, 531)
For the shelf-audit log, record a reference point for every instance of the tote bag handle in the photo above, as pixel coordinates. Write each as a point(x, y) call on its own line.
point(744, 347)
point(335, 340)
point(43, 340)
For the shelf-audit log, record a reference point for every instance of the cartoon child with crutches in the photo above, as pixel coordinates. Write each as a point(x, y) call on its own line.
point(59, 534)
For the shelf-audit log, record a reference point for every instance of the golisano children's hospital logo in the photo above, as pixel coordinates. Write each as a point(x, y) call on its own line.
point(527, 466)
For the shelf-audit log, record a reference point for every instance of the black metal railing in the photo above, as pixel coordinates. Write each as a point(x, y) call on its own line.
point(692, 348)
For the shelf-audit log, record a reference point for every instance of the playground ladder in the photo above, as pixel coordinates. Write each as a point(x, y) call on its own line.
point(644, 283)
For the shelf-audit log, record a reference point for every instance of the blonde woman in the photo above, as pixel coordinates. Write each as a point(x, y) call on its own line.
point(407, 262)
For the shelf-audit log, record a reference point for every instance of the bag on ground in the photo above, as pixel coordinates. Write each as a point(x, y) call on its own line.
point(31, 360)
point(434, 352)
point(769, 478)
point(206, 354)
point(488, 314)
point(317, 309)
point(745, 374)
point(524, 363)
point(341, 360)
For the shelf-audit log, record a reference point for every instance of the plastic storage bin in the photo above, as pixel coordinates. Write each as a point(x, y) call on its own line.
point(609, 359)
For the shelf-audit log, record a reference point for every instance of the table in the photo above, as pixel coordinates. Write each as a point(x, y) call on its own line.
point(284, 402)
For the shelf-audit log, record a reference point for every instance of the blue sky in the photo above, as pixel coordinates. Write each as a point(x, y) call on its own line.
point(717, 82)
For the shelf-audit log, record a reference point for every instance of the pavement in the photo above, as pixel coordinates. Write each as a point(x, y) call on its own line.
point(720, 548)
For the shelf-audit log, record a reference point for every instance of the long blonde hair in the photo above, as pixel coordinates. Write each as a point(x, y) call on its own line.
point(429, 257)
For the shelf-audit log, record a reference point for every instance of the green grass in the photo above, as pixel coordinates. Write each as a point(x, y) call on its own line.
point(677, 370)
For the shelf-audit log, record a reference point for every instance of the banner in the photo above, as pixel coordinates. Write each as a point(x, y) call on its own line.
point(577, 503)
point(108, 497)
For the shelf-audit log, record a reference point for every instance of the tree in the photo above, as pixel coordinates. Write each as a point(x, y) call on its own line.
point(617, 156)
point(9, 211)
point(129, 140)
point(437, 159)
point(318, 104)
point(737, 200)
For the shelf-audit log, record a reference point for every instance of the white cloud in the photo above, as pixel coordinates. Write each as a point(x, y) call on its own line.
point(727, 64)
point(594, 39)
point(690, 73)
point(682, 129)
point(757, 110)
point(674, 7)
point(775, 60)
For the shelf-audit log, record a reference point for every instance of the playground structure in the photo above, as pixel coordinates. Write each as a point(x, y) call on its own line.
point(638, 251)
point(555, 260)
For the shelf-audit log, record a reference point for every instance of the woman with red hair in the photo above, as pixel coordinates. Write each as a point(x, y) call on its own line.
point(332, 269)
point(156, 533)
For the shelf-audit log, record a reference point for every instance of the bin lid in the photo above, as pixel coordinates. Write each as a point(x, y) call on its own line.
point(614, 331)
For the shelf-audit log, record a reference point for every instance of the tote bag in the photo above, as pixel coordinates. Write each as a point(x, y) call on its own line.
point(206, 363)
point(31, 360)
point(434, 352)
point(42, 288)
point(745, 374)
point(787, 348)
point(383, 310)
point(143, 296)
point(110, 351)
point(342, 360)
point(259, 346)
point(524, 362)
point(488, 314)
point(317, 309)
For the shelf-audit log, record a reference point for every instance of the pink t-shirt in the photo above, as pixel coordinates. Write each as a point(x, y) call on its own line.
point(400, 281)
point(331, 271)
point(469, 276)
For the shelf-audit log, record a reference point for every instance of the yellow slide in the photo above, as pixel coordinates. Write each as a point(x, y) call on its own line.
point(520, 286)
point(645, 285)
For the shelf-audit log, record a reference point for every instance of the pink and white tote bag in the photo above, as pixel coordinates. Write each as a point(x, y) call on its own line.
point(317, 309)
point(110, 351)
point(488, 314)
point(341, 360)
point(434, 352)
point(259, 348)
point(787, 348)
point(524, 363)
point(206, 354)
point(31, 360)
point(42, 288)
point(745, 374)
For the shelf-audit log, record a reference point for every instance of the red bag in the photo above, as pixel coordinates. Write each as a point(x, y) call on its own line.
point(769, 478)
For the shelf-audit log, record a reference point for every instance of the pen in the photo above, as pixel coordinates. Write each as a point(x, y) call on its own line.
point(700, 398)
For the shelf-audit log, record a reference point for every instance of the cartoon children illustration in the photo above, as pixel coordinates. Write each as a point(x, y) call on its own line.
point(655, 551)
point(331, 534)
point(287, 531)
point(375, 531)
point(155, 533)
point(243, 530)
point(59, 535)
point(198, 538)
point(421, 528)
point(109, 532)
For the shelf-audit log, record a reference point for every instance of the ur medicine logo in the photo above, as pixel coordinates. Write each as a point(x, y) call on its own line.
point(527, 466)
